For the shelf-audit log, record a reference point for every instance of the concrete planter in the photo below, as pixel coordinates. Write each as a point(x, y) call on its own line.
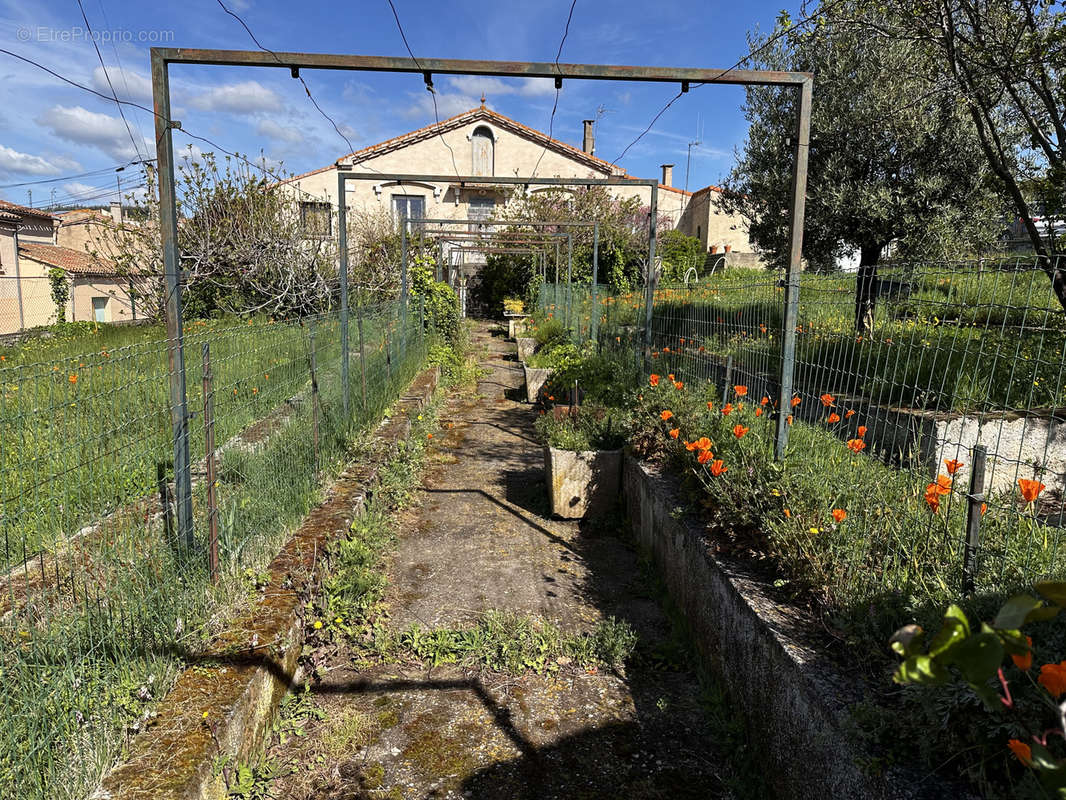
point(535, 379)
point(583, 484)
point(516, 325)
point(526, 347)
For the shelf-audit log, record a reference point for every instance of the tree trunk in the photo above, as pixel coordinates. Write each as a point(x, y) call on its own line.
point(866, 287)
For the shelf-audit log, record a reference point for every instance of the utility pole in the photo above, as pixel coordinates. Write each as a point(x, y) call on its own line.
point(29, 194)
point(52, 202)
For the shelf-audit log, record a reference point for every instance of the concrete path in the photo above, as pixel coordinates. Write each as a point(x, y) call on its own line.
point(478, 538)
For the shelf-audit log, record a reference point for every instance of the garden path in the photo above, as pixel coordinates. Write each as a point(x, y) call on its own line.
point(478, 537)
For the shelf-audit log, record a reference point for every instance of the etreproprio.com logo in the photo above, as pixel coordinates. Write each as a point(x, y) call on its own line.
point(42, 33)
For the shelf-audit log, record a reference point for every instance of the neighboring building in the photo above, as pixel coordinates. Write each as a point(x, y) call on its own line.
point(482, 142)
point(30, 247)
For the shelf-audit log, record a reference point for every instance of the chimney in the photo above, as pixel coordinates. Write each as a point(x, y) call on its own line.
point(668, 175)
point(588, 144)
point(116, 212)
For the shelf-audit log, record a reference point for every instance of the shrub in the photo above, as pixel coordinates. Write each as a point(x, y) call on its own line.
point(585, 428)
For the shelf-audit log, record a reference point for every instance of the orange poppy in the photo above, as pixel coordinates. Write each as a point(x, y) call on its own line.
point(73, 379)
point(1053, 678)
point(710, 405)
point(933, 501)
point(429, 435)
point(1025, 660)
point(703, 443)
point(653, 379)
point(762, 327)
point(675, 433)
point(1030, 489)
point(690, 446)
point(796, 401)
point(984, 508)
point(788, 514)
point(764, 401)
point(704, 456)
point(666, 349)
point(671, 377)
point(739, 430)
point(952, 465)
point(861, 431)
point(788, 419)
point(856, 445)
point(839, 514)
point(1021, 750)
point(666, 414)
point(727, 409)
point(758, 412)
point(740, 390)
point(849, 413)
point(834, 417)
point(679, 385)
point(827, 399)
point(717, 468)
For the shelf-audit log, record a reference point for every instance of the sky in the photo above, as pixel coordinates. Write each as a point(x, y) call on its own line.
point(65, 145)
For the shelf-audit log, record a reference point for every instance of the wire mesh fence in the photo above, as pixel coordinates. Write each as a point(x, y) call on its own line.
point(100, 598)
point(928, 405)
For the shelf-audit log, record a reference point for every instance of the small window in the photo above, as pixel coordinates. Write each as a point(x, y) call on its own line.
point(411, 206)
point(316, 219)
point(483, 147)
point(481, 208)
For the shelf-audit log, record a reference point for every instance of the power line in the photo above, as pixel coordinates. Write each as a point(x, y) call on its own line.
point(558, 88)
point(429, 85)
point(121, 69)
point(88, 174)
point(100, 58)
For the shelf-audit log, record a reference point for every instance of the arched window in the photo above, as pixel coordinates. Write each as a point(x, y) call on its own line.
point(483, 147)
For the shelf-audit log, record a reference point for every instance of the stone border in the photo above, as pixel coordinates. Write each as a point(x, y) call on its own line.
point(769, 657)
point(240, 678)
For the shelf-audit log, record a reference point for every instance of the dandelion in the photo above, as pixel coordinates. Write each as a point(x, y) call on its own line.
point(827, 399)
point(740, 390)
point(796, 401)
point(1025, 660)
point(718, 467)
point(318, 624)
point(666, 414)
point(739, 430)
point(1021, 750)
point(815, 530)
point(856, 445)
point(674, 433)
point(1053, 678)
point(839, 515)
point(861, 431)
point(834, 417)
point(653, 379)
point(952, 465)
point(1030, 489)
point(849, 413)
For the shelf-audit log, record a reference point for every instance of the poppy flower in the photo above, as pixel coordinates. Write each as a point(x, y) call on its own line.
point(834, 417)
point(679, 385)
point(827, 399)
point(762, 327)
point(952, 465)
point(796, 401)
point(703, 443)
point(1021, 750)
point(671, 377)
point(942, 485)
point(718, 467)
point(73, 379)
point(849, 413)
point(1030, 489)
point(727, 409)
point(653, 379)
point(674, 433)
point(1025, 660)
point(984, 508)
point(861, 431)
point(666, 349)
point(704, 456)
point(690, 446)
point(856, 445)
point(1053, 678)
point(788, 514)
point(788, 419)
point(764, 401)
point(933, 501)
point(839, 515)
point(739, 430)
point(666, 414)
point(758, 412)
point(740, 390)
point(710, 405)
point(681, 341)
point(429, 435)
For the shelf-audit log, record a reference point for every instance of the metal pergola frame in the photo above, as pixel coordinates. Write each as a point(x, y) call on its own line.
point(163, 57)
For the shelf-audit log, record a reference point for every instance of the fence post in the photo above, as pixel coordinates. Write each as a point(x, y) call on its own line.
point(653, 218)
point(594, 315)
point(975, 498)
point(314, 391)
point(362, 351)
point(209, 461)
point(569, 276)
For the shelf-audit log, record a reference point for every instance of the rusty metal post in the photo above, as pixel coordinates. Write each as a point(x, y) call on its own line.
point(168, 227)
point(975, 498)
point(342, 244)
point(649, 300)
point(594, 316)
point(569, 277)
point(792, 275)
point(362, 352)
point(314, 392)
point(209, 461)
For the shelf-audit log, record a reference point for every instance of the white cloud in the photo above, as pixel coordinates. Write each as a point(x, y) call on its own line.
point(282, 133)
point(93, 129)
point(237, 98)
point(129, 85)
point(525, 87)
point(448, 105)
point(12, 162)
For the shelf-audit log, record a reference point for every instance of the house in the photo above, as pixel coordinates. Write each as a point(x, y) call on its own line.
point(31, 247)
point(483, 142)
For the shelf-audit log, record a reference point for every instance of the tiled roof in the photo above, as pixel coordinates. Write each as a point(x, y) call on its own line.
point(17, 209)
point(473, 115)
point(76, 262)
point(7, 216)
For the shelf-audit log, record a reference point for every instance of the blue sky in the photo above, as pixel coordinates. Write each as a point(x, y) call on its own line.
point(69, 142)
